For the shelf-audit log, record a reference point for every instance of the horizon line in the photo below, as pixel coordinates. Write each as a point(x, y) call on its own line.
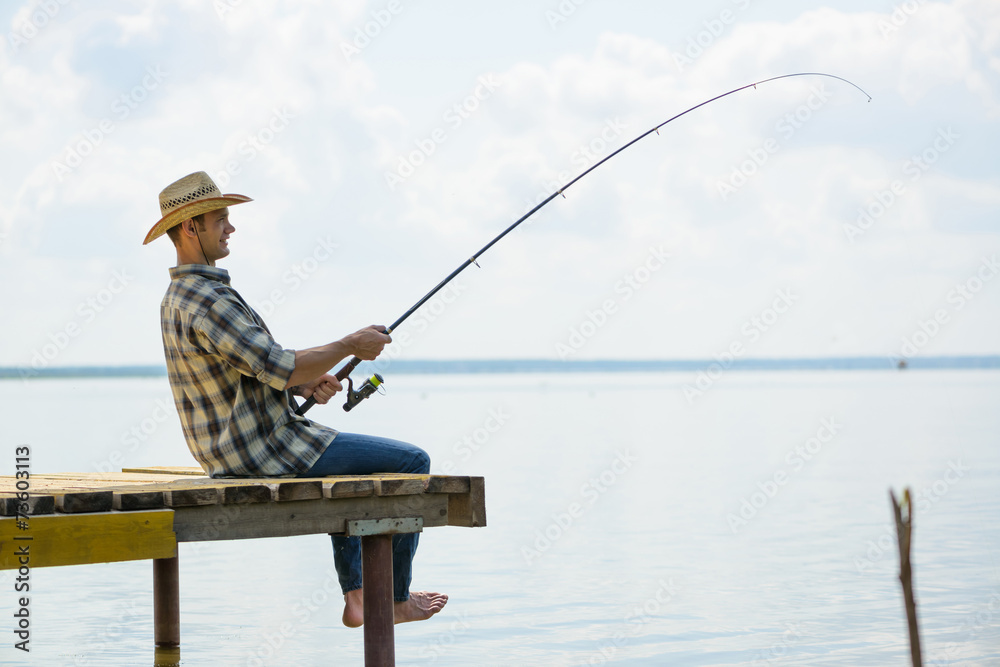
point(527, 365)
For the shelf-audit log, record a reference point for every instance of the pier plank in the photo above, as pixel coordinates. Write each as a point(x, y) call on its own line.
point(129, 501)
point(37, 504)
point(447, 484)
point(350, 487)
point(102, 537)
point(298, 490)
point(399, 486)
point(468, 509)
point(302, 517)
point(167, 470)
point(203, 495)
point(84, 501)
point(246, 493)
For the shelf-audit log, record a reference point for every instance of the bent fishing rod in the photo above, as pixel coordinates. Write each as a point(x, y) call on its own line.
point(375, 381)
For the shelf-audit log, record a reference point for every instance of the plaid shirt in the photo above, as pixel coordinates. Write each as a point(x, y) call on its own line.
point(228, 377)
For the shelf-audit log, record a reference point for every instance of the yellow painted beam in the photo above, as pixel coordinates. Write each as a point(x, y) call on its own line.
point(76, 539)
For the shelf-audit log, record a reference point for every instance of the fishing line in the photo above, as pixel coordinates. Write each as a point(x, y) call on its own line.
point(370, 385)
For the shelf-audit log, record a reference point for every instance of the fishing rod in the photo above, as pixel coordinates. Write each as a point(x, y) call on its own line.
point(372, 384)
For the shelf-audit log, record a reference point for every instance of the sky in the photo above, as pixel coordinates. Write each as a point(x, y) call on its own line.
point(385, 142)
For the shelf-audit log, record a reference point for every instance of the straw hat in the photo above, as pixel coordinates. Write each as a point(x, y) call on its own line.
point(190, 196)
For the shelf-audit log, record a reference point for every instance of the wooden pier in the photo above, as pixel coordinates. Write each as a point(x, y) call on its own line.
point(143, 513)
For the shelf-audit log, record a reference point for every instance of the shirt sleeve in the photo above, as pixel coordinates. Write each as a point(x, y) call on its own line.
point(229, 331)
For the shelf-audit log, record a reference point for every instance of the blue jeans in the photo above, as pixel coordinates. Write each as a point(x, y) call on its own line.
point(354, 454)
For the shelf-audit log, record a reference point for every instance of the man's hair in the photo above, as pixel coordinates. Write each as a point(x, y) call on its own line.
point(175, 232)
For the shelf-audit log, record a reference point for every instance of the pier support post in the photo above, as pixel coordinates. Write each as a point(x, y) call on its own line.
point(377, 594)
point(376, 566)
point(166, 602)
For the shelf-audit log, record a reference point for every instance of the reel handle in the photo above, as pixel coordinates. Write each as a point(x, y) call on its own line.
point(342, 374)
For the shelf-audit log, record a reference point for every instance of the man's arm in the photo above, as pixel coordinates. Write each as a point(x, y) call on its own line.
point(314, 362)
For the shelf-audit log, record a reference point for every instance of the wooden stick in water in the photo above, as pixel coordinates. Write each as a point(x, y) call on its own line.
point(904, 527)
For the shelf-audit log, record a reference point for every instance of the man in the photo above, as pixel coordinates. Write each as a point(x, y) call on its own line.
point(233, 386)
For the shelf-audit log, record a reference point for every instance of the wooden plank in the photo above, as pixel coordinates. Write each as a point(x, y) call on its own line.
point(206, 495)
point(306, 490)
point(37, 504)
point(468, 509)
point(301, 517)
point(77, 539)
point(447, 484)
point(399, 486)
point(85, 501)
point(394, 526)
point(246, 493)
point(133, 478)
point(167, 470)
point(57, 487)
point(137, 500)
point(357, 487)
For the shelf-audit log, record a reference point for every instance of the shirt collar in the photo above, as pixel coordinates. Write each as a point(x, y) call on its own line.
point(204, 270)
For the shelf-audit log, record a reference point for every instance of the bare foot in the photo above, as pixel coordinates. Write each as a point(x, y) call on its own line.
point(354, 610)
point(421, 606)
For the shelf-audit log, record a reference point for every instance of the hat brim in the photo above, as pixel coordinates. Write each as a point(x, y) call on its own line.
point(181, 214)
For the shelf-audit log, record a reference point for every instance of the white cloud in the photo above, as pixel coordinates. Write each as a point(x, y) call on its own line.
point(324, 173)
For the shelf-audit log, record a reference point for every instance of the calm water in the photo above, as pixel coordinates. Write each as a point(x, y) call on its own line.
point(627, 525)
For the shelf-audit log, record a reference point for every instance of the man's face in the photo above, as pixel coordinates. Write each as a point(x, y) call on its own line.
point(216, 235)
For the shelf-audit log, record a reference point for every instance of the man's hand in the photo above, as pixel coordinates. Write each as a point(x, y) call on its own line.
point(310, 363)
point(368, 342)
point(322, 388)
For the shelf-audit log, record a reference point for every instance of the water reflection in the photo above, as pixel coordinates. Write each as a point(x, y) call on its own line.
point(167, 656)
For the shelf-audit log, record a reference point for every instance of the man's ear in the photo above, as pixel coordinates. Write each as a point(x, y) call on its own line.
point(186, 228)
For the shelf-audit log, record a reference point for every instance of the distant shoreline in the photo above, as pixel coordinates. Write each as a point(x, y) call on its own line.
point(473, 366)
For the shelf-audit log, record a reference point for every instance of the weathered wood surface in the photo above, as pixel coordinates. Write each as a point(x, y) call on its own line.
point(302, 517)
point(130, 490)
point(95, 517)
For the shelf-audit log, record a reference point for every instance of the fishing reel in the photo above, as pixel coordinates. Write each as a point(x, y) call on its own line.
point(370, 386)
